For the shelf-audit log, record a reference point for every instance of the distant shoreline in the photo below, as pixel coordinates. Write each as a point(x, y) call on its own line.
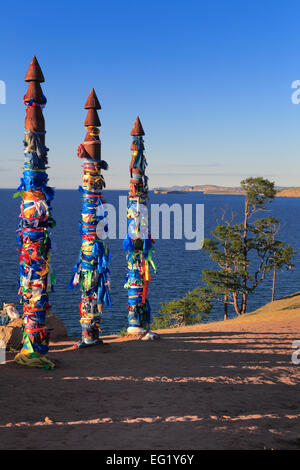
point(218, 190)
point(212, 189)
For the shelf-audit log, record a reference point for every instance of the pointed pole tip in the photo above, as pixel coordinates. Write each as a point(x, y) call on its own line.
point(34, 61)
point(92, 101)
point(34, 72)
point(137, 129)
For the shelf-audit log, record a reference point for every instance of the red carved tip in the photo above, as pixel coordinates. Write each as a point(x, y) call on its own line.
point(92, 118)
point(92, 101)
point(137, 129)
point(34, 72)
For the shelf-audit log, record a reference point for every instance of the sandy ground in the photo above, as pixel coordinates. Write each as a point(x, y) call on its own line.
point(227, 385)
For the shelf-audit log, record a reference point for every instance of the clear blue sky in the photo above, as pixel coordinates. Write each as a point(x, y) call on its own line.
point(211, 82)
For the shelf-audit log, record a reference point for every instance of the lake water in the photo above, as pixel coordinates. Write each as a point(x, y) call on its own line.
point(178, 270)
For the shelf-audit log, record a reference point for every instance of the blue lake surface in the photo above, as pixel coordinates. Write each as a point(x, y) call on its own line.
point(178, 270)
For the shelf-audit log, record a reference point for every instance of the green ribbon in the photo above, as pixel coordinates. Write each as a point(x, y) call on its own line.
point(28, 344)
point(18, 194)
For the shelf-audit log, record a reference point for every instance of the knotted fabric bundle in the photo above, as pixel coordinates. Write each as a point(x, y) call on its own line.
point(138, 243)
point(91, 271)
point(33, 236)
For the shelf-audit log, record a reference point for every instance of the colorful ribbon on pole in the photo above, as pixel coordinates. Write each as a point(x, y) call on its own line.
point(34, 244)
point(138, 243)
point(91, 271)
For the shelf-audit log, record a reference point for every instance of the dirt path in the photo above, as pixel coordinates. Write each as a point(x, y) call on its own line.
point(229, 385)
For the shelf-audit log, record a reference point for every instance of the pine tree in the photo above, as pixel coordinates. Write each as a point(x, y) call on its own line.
point(192, 308)
point(245, 252)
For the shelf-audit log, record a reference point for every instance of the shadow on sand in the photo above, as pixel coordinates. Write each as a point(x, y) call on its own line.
point(193, 390)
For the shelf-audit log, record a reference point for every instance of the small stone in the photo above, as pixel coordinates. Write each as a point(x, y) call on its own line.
point(150, 336)
point(11, 335)
point(48, 420)
point(56, 326)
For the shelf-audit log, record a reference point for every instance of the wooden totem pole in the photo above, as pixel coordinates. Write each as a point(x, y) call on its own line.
point(138, 242)
point(91, 270)
point(36, 279)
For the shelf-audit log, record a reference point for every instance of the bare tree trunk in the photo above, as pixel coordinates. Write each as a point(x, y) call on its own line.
point(273, 287)
point(235, 303)
point(225, 307)
point(244, 303)
point(226, 296)
point(244, 294)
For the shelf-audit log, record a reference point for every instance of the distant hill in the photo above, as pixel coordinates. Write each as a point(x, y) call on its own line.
point(289, 192)
point(205, 188)
point(214, 189)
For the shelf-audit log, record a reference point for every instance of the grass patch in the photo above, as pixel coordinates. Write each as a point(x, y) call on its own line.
point(291, 307)
point(123, 333)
